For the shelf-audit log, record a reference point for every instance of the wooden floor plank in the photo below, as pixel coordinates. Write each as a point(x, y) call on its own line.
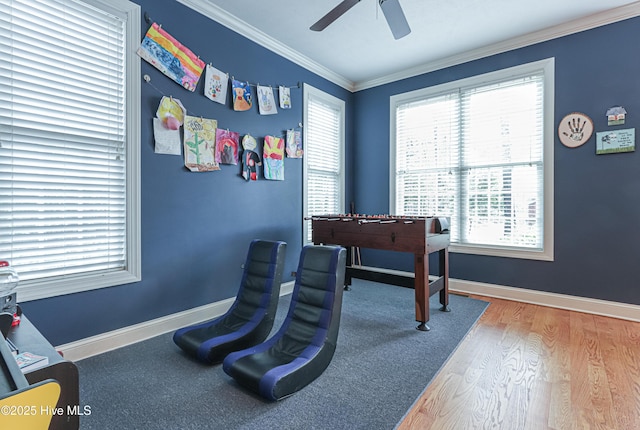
point(525, 366)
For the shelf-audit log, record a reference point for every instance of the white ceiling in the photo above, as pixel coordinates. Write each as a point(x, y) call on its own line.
point(358, 50)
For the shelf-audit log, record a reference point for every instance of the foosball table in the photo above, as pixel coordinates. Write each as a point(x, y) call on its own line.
point(417, 235)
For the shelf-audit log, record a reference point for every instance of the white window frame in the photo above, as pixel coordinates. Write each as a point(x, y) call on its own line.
point(44, 288)
point(547, 66)
point(310, 93)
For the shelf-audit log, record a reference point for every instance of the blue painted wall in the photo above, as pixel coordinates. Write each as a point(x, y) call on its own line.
point(597, 197)
point(196, 227)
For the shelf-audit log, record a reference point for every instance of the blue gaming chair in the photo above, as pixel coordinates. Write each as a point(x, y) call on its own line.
point(304, 345)
point(250, 318)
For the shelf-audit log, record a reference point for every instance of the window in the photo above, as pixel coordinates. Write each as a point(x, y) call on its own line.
point(323, 156)
point(480, 151)
point(69, 144)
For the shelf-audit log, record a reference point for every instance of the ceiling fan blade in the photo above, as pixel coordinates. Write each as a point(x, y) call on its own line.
point(395, 18)
point(333, 14)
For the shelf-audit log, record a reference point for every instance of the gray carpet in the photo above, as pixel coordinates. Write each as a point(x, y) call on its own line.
point(381, 366)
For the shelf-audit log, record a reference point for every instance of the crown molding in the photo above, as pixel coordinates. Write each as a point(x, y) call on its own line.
point(224, 18)
point(587, 23)
point(233, 23)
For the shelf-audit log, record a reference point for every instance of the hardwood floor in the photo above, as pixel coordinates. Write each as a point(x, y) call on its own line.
point(533, 367)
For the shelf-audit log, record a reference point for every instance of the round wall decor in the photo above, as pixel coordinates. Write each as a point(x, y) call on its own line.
point(575, 129)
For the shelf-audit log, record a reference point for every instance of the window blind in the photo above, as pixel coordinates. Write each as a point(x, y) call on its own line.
point(427, 157)
point(62, 138)
point(323, 159)
point(501, 163)
point(475, 154)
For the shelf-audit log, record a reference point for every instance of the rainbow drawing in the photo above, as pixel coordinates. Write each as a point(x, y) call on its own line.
point(171, 57)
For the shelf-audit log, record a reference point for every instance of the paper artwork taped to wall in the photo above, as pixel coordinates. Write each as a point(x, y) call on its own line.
point(266, 101)
point(242, 100)
point(294, 144)
point(216, 84)
point(171, 112)
point(199, 144)
point(166, 126)
point(250, 159)
point(285, 97)
point(273, 154)
point(172, 58)
point(227, 143)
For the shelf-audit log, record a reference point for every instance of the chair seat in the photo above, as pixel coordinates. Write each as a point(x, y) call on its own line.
point(250, 318)
point(305, 343)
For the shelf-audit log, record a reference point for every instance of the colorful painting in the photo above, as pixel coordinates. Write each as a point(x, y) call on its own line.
point(273, 154)
point(294, 144)
point(199, 144)
point(216, 84)
point(266, 101)
point(241, 95)
point(172, 58)
point(227, 143)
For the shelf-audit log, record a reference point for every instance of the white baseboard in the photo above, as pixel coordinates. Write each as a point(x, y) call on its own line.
point(94, 345)
point(562, 301)
point(105, 342)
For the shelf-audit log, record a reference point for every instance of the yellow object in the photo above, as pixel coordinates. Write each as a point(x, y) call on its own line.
point(170, 107)
point(31, 407)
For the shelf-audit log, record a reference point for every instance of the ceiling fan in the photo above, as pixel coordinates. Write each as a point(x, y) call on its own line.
point(391, 9)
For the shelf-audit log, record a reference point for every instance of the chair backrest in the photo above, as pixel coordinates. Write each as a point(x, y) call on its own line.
point(314, 314)
point(260, 285)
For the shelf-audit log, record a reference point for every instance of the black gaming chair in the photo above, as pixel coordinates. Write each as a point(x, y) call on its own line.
point(303, 347)
point(250, 319)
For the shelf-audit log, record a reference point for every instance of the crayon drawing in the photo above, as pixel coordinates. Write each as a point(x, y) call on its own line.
point(294, 144)
point(285, 97)
point(169, 56)
point(199, 144)
point(273, 154)
point(227, 143)
point(216, 84)
point(266, 101)
point(251, 159)
point(241, 95)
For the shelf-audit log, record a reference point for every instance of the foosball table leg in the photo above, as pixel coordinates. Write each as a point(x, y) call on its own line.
point(443, 259)
point(423, 327)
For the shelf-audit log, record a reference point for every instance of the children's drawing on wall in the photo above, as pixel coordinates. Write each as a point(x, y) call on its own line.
point(266, 101)
point(285, 97)
point(227, 143)
point(273, 154)
point(250, 158)
point(241, 95)
point(172, 58)
point(294, 144)
point(199, 144)
point(216, 84)
point(166, 126)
